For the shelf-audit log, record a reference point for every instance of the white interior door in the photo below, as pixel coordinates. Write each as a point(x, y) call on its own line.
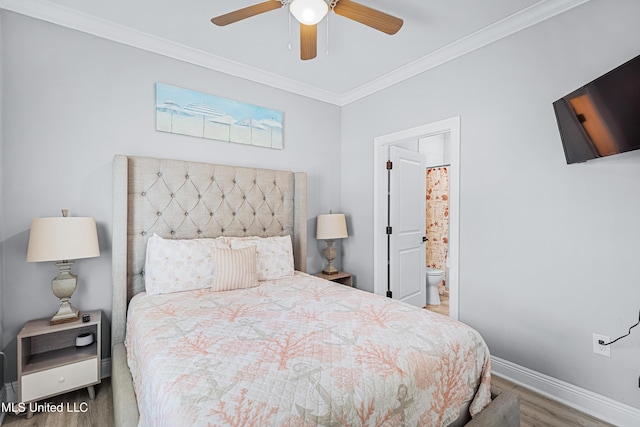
point(407, 204)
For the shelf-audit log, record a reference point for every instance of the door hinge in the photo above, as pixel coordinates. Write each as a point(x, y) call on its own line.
point(389, 230)
point(424, 238)
point(389, 165)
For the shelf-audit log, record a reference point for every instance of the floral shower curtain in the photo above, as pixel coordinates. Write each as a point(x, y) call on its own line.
point(438, 219)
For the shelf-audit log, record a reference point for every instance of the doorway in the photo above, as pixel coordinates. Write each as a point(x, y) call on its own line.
point(450, 128)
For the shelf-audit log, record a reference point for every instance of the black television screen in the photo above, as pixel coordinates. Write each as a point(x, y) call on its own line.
point(602, 117)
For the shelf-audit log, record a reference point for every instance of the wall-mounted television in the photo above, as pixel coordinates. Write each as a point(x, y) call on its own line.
point(602, 117)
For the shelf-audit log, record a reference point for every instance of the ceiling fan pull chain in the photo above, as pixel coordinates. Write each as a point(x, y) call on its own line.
point(327, 35)
point(285, 3)
point(290, 48)
point(332, 4)
point(310, 14)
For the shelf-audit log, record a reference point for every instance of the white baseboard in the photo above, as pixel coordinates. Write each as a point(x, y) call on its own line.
point(575, 397)
point(3, 398)
point(11, 390)
point(9, 394)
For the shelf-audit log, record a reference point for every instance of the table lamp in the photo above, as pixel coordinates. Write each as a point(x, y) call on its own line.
point(63, 239)
point(330, 227)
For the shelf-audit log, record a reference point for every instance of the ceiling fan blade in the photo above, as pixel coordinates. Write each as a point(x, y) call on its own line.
point(308, 41)
point(247, 12)
point(370, 17)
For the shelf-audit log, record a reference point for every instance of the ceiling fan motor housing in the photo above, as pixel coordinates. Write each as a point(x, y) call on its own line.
point(309, 12)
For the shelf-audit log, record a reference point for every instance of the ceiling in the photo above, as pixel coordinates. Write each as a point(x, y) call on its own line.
point(353, 60)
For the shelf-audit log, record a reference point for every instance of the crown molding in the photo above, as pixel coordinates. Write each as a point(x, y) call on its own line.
point(73, 19)
point(520, 20)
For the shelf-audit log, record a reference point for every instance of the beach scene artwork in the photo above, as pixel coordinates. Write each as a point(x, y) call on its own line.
point(187, 112)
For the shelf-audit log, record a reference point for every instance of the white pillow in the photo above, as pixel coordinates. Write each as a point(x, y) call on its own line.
point(234, 268)
point(179, 265)
point(274, 255)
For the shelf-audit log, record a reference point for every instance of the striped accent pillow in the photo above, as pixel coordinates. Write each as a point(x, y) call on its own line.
point(234, 268)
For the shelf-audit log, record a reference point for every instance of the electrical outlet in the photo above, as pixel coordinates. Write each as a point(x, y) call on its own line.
point(602, 350)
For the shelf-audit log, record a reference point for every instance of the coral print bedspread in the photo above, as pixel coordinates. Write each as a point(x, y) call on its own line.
point(300, 351)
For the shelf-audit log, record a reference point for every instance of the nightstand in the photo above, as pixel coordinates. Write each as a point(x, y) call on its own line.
point(341, 277)
point(49, 363)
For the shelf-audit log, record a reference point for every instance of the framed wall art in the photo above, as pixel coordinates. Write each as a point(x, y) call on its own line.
point(187, 112)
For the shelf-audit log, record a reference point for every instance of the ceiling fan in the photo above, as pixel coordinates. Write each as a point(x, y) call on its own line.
point(310, 12)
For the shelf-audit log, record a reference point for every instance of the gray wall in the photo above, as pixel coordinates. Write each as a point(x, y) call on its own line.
point(72, 101)
point(548, 252)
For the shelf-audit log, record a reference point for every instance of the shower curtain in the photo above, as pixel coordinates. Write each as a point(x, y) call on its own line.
point(438, 220)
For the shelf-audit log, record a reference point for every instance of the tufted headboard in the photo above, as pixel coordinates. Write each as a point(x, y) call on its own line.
point(188, 200)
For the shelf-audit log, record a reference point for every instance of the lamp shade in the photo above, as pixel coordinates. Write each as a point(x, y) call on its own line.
point(331, 226)
point(62, 239)
point(309, 12)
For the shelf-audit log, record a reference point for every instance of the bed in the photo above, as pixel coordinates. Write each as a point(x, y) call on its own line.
point(293, 350)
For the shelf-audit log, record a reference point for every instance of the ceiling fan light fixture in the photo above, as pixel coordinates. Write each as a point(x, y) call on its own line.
point(309, 12)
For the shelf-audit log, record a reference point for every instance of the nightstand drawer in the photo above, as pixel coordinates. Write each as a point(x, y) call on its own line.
point(58, 380)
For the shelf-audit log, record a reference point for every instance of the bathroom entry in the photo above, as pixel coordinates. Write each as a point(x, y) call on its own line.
point(419, 209)
point(436, 150)
point(448, 132)
point(406, 237)
point(438, 220)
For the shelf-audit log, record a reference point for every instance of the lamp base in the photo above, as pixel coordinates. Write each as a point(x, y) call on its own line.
point(66, 314)
point(331, 270)
point(329, 253)
point(63, 287)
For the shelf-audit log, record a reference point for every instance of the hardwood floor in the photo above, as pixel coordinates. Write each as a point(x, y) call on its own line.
point(443, 307)
point(99, 411)
point(535, 410)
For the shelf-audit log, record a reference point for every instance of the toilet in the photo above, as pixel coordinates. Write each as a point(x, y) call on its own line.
point(434, 277)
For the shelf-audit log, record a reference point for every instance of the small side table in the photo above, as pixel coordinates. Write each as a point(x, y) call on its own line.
point(49, 363)
point(341, 277)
